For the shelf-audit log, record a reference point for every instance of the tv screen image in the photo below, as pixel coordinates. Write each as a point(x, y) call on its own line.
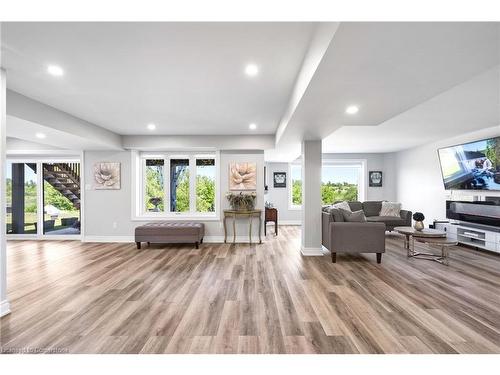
point(471, 166)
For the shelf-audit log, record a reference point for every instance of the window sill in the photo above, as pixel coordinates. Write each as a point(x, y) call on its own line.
point(295, 208)
point(179, 217)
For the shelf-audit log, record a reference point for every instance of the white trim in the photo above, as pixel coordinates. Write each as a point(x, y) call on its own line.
point(311, 251)
point(39, 161)
point(138, 188)
point(363, 175)
point(4, 308)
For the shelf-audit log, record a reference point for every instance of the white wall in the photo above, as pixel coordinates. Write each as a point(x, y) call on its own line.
point(4, 304)
point(279, 196)
point(418, 176)
point(374, 162)
point(102, 209)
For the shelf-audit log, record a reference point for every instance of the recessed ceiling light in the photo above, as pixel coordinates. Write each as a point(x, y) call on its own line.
point(252, 126)
point(40, 135)
point(352, 109)
point(251, 70)
point(151, 126)
point(55, 70)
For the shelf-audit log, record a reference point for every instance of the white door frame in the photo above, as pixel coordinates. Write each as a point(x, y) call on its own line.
point(73, 158)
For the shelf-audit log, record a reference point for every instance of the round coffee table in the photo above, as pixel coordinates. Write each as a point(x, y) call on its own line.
point(428, 236)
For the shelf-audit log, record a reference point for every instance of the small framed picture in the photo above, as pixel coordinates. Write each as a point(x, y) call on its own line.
point(279, 179)
point(375, 178)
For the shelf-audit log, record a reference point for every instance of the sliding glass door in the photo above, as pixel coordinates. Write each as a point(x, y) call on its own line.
point(61, 198)
point(21, 196)
point(43, 198)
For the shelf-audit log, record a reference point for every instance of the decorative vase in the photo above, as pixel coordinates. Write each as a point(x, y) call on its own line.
point(419, 225)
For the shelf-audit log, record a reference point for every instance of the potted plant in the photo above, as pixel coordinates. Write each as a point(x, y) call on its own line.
point(419, 221)
point(242, 201)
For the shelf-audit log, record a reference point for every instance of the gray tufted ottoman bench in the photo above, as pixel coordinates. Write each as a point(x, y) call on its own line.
point(170, 232)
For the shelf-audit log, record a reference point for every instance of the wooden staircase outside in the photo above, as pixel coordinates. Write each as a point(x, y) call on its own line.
point(65, 178)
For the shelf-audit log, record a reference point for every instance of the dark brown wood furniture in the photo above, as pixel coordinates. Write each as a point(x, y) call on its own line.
point(272, 216)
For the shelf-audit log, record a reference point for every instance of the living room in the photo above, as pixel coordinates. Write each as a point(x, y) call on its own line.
point(250, 187)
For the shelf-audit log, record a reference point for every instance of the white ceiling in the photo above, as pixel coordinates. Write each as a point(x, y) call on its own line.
point(187, 78)
point(413, 82)
point(470, 106)
point(386, 69)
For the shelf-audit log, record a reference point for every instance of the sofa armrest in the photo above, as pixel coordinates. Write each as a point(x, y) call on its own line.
point(325, 229)
point(406, 216)
point(351, 237)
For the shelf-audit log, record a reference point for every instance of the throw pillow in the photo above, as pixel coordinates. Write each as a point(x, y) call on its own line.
point(336, 215)
point(342, 205)
point(354, 217)
point(390, 209)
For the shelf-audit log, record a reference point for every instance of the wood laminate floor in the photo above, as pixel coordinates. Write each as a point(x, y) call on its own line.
point(112, 298)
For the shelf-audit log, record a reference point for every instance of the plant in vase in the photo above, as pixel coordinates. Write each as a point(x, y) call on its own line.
point(242, 201)
point(155, 202)
point(419, 221)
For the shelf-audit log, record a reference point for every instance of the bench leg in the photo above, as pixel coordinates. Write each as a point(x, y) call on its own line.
point(138, 245)
point(334, 257)
point(201, 241)
point(379, 258)
point(197, 244)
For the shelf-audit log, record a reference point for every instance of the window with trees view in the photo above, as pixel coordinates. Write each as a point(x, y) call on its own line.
point(339, 181)
point(179, 184)
point(296, 185)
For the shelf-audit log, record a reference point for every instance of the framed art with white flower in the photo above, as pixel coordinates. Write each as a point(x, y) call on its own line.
point(107, 176)
point(242, 176)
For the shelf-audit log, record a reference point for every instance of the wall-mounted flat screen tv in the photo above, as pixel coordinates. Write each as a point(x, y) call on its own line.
point(471, 166)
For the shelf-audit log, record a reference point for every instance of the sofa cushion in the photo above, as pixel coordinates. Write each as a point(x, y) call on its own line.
point(388, 220)
point(390, 209)
point(355, 206)
point(336, 215)
point(354, 217)
point(342, 205)
point(372, 208)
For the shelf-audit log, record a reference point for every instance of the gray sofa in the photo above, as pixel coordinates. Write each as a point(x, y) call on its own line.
point(340, 236)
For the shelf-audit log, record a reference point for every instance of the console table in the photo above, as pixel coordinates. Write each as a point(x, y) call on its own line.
point(234, 214)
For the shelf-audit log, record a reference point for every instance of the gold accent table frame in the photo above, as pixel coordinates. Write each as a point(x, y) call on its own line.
point(430, 237)
point(234, 214)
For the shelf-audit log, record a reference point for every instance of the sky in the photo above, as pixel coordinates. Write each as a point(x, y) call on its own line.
point(29, 175)
point(333, 174)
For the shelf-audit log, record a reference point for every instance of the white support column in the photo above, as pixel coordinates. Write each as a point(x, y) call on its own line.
point(4, 303)
point(311, 198)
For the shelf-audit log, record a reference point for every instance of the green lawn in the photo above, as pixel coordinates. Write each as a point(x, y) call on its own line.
point(31, 217)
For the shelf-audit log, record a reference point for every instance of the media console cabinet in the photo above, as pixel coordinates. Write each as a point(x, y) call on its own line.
point(472, 235)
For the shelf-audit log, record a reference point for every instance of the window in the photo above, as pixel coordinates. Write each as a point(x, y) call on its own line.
point(205, 185)
point(179, 185)
point(295, 186)
point(61, 198)
point(342, 181)
point(43, 198)
point(21, 198)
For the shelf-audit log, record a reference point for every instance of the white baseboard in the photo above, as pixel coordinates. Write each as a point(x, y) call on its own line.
point(108, 239)
point(311, 251)
point(4, 308)
point(289, 222)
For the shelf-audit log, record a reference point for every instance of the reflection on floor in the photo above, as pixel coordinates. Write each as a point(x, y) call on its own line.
point(77, 297)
